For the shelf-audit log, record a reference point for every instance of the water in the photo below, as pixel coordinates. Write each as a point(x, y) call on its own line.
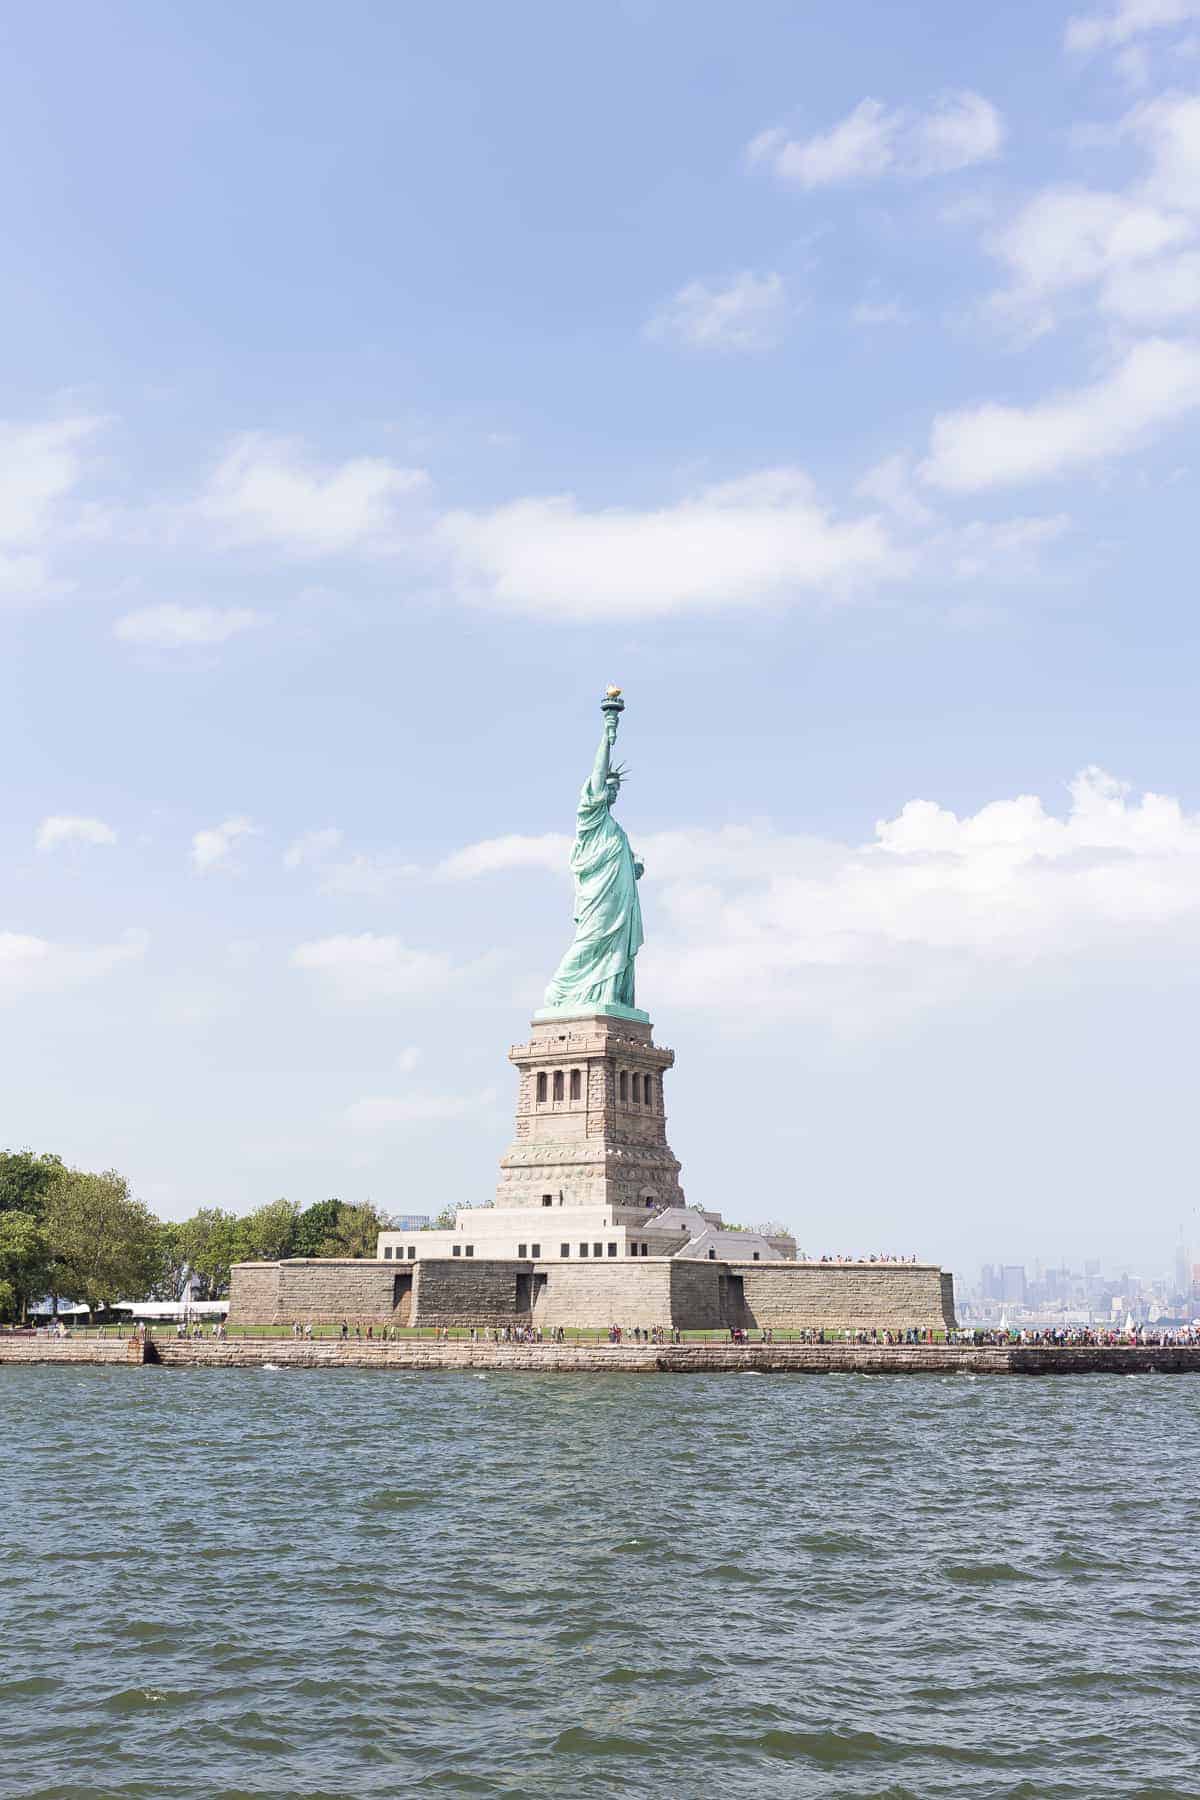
point(316, 1584)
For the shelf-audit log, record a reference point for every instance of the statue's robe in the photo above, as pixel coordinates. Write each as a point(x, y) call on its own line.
point(598, 968)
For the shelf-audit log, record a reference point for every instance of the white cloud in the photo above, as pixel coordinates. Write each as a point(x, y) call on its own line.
point(1069, 237)
point(368, 876)
point(212, 848)
point(368, 967)
point(874, 140)
point(68, 828)
point(1157, 382)
point(312, 847)
point(1169, 129)
point(906, 919)
point(171, 627)
point(492, 856)
point(265, 491)
point(39, 966)
point(1129, 20)
point(1155, 293)
point(378, 1111)
point(744, 543)
point(748, 312)
point(880, 312)
point(39, 466)
point(890, 484)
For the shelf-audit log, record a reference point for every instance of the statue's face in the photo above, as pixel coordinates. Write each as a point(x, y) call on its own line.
point(614, 788)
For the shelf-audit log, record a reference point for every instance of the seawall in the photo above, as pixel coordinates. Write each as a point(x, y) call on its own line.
point(417, 1354)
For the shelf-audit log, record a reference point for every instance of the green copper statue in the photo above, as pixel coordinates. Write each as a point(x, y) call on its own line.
point(596, 974)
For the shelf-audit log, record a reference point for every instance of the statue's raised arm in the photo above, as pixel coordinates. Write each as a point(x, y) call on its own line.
point(597, 972)
point(601, 768)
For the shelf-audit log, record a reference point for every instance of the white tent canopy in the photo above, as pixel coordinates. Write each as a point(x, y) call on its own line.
point(160, 1310)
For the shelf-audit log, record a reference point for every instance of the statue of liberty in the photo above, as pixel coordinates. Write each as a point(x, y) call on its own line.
point(596, 974)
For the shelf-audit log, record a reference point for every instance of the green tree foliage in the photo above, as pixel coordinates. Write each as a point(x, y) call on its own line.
point(209, 1242)
point(24, 1179)
point(354, 1232)
point(104, 1243)
point(26, 1264)
point(171, 1270)
point(269, 1233)
point(315, 1226)
point(9, 1309)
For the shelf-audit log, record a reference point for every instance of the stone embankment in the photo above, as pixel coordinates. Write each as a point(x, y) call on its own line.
point(33, 1349)
point(416, 1354)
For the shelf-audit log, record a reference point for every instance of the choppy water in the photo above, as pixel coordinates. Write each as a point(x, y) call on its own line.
point(304, 1584)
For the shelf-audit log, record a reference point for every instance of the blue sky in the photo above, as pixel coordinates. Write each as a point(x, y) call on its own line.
point(381, 382)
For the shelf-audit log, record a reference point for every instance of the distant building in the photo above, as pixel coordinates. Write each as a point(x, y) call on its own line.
point(1183, 1283)
point(411, 1222)
point(1013, 1284)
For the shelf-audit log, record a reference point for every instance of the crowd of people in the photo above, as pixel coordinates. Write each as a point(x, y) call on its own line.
point(1067, 1335)
point(842, 1256)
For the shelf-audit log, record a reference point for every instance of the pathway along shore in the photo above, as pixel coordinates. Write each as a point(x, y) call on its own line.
point(607, 1359)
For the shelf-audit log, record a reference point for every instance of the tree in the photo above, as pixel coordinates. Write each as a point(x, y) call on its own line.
point(268, 1234)
point(355, 1231)
point(24, 1179)
point(26, 1265)
point(172, 1270)
point(209, 1241)
point(315, 1226)
point(103, 1241)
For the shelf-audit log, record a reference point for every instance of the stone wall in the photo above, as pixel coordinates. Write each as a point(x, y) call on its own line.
point(472, 1291)
point(681, 1359)
point(36, 1349)
point(695, 1295)
point(319, 1290)
point(574, 1358)
point(594, 1295)
point(792, 1296)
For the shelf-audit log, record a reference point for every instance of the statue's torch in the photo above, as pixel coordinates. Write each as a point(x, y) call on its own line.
point(612, 706)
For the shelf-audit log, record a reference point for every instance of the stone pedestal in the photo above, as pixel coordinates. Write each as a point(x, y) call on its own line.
point(591, 1126)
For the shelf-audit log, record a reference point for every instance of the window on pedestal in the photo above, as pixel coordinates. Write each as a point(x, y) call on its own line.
point(756, 1256)
point(535, 1249)
point(645, 1249)
point(623, 1087)
point(412, 1253)
point(631, 1247)
point(636, 1085)
point(547, 1199)
point(583, 1249)
point(712, 1256)
point(576, 1085)
point(541, 1088)
point(597, 1249)
point(470, 1249)
point(564, 1249)
point(558, 1084)
point(521, 1248)
point(456, 1250)
point(387, 1253)
point(612, 1249)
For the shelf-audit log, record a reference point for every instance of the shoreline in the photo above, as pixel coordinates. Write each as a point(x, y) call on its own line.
point(416, 1355)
